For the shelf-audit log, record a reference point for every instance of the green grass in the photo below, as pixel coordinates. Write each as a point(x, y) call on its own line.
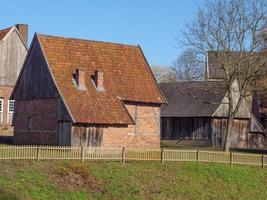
point(109, 180)
point(175, 144)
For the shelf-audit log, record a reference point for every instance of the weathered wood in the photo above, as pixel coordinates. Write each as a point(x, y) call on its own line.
point(82, 154)
point(186, 128)
point(231, 158)
point(123, 155)
point(211, 130)
point(64, 133)
point(86, 136)
point(262, 161)
point(243, 111)
point(35, 81)
point(38, 153)
point(162, 156)
point(12, 55)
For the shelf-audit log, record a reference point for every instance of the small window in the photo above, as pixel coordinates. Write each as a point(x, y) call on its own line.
point(1, 104)
point(11, 106)
point(30, 123)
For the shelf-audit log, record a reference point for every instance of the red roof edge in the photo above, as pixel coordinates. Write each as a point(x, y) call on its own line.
point(164, 100)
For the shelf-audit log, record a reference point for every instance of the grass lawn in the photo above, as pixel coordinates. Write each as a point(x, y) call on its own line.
point(108, 180)
point(175, 144)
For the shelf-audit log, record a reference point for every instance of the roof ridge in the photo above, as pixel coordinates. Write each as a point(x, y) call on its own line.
point(7, 29)
point(196, 81)
point(4, 32)
point(85, 40)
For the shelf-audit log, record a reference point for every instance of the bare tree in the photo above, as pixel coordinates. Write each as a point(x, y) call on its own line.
point(163, 74)
point(230, 29)
point(188, 67)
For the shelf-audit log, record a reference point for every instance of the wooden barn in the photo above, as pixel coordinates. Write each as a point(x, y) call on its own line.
point(86, 93)
point(197, 113)
point(215, 72)
point(13, 50)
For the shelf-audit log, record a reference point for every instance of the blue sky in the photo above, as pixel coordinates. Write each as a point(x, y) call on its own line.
point(152, 24)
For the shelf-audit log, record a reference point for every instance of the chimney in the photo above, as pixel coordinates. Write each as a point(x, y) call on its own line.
point(23, 31)
point(80, 78)
point(99, 80)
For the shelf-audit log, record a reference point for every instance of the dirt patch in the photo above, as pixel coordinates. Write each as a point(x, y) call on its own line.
point(74, 176)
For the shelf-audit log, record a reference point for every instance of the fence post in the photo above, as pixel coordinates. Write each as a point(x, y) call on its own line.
point(198, 155)
point(262, 161)
point(38, 153)
point(162, 156)
point(231, 158)
point(82, 154)
point(123, 155)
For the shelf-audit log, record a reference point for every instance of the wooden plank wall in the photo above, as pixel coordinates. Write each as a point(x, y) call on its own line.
point(186, 128)
point(239, 132)
point(36, 81)
point(12, 55)
point(86, 136)
point(213, 130)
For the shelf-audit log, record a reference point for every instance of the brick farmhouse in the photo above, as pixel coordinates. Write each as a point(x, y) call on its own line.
point(13, 50)
point(86, 93)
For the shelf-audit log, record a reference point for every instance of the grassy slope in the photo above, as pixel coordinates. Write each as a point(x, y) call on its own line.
point(75, 180)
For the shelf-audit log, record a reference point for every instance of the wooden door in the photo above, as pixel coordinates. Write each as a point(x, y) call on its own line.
point(64, 133)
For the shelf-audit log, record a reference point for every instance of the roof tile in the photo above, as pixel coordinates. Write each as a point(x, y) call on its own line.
point(126, 76)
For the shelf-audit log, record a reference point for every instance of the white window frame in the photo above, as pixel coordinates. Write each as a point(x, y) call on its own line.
point(8, 110)
point(1, 110)
point(9, 101)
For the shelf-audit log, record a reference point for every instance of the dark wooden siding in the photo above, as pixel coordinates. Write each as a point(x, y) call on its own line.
point(210, 129)
point(186, 128)
point(239, 132)
point(35, 81)
point(63, 136)
point(256, 140)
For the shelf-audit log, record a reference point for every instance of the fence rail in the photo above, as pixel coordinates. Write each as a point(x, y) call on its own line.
point(128, 155)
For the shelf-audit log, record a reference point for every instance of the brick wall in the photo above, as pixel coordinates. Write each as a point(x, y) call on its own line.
point(44, 125)
point(145, 134)
point(36, 122)
point(5, 92)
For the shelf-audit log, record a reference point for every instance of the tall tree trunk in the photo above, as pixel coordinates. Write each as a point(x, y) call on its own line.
point(228, 135)
point(230, 121)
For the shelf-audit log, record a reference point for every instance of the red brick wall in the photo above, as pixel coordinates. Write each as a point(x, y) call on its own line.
point(5, 92)
point(44, 117)
point(145, 134)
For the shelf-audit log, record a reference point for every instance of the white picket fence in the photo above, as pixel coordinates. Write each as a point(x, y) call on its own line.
point(128, 155)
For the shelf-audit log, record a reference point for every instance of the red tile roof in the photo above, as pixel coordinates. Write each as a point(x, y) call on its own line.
point(4, 32)
point(127, 77)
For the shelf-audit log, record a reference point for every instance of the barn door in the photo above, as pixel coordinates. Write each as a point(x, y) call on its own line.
point(64, 133)
point(95, 136)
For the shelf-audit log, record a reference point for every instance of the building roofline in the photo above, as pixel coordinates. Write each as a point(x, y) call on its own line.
point(85, 40)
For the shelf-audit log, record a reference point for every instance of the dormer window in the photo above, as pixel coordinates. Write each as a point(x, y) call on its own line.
point(79, 79)
point(98, 80)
